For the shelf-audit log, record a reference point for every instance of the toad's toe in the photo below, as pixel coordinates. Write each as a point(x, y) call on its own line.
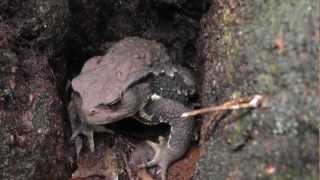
point(163, 157)
point(78, 143)
point(87, 130)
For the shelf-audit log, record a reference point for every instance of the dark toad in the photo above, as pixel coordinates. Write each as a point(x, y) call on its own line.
point(118, 85)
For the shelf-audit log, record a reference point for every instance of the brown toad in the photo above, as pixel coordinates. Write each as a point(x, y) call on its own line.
point(117, 85)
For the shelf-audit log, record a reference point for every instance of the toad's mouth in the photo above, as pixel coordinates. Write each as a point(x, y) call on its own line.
point(102, 118)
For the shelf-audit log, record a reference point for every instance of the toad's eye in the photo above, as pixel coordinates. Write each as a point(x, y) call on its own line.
point(113, 105)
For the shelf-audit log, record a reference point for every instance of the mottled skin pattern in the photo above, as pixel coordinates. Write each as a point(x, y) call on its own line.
point(168, 111)
point(117, 85)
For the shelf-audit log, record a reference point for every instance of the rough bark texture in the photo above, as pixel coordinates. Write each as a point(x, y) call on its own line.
point(238, 48)
point(31, 126)
point(269, 48)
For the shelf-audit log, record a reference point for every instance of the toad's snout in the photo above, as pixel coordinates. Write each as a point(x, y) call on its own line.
point(92, 112)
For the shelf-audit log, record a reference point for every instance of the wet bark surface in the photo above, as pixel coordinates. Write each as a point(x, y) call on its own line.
point(235, 49)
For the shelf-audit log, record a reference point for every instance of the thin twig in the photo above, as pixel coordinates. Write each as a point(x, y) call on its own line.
point(241, 103)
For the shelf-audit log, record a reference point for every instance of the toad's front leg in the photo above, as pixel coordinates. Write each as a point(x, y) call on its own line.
point(166, 152)
point(80, 126)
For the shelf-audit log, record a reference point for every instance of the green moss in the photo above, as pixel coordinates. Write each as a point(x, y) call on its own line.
point(227, 17)
point(265, 82)
point(236, 94)
point(41, 120)
point(230, 44)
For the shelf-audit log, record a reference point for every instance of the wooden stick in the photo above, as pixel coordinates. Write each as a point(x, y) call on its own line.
point(240, 103)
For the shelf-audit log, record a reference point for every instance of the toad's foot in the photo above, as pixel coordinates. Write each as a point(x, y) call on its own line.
point(88, 131)
point(166, 152)
point(163, 157)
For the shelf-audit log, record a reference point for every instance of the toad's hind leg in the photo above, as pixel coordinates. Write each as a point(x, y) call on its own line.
point(166, 152)
point(160, 157)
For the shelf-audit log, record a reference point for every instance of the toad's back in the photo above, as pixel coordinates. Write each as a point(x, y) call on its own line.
point(103, 77)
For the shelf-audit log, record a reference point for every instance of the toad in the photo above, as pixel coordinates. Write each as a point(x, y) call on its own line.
point(119, 85)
